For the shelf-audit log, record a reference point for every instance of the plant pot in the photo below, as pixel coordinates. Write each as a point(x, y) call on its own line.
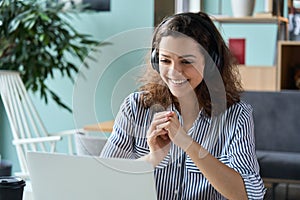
point(242, 8)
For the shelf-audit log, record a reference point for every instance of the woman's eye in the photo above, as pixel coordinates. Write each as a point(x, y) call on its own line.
point(164, 61)
point(187, 62)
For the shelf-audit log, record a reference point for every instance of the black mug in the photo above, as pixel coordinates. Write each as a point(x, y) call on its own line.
point(11, 188)
point(5, 168)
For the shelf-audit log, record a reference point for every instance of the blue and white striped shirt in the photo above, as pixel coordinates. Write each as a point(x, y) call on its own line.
point(177, 177)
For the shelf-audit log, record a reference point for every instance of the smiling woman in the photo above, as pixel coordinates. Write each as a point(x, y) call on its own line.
point(187, 120)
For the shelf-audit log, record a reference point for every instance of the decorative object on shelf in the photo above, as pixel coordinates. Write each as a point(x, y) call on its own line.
point(268, 9)
point(237, 48)
point(294, 20)
point(35, 38)
point(187, 6)
point(242, 8)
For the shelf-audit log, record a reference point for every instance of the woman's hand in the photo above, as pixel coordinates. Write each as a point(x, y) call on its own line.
point(165, 128)
point(157, 137)
point(176, 133)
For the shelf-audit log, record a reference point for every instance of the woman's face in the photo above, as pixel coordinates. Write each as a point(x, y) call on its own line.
point(181, 64)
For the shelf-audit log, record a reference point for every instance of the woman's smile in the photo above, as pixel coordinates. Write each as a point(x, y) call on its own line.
point(178, 82)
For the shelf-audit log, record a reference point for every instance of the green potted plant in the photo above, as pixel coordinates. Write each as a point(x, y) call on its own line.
point(36, 39)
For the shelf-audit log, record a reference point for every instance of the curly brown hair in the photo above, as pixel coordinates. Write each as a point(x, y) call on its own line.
point(218, 58)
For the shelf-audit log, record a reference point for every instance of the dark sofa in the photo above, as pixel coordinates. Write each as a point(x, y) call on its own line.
point(277, 134)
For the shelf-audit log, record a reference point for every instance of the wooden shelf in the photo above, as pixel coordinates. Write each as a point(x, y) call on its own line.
point(250, 19)
point(281, 22)
point(257, 78)
point(274, 78)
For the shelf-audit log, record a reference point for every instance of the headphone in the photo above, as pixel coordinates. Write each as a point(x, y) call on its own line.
point(154, 59)
point(201, 18)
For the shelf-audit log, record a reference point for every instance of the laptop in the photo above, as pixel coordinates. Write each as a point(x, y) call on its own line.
point(67, 177)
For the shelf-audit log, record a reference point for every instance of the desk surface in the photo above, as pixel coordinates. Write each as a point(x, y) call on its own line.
point(106, 126)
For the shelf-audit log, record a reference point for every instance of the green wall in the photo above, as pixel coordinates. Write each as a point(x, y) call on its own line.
point(125, 15)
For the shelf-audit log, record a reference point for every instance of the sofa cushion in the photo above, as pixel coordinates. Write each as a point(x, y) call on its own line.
point(276, 119)
point(279, 165)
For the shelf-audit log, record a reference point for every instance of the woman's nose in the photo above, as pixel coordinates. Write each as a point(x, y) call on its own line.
point(176, 66)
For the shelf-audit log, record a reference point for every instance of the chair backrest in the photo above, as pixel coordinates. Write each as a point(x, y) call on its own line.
point(89, 145)
point(24, 121)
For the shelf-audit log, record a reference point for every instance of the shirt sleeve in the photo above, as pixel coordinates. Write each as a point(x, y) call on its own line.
point(242, 155)
point(120, 142)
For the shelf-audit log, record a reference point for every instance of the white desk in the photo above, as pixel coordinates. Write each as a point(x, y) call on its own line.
point(27, 194)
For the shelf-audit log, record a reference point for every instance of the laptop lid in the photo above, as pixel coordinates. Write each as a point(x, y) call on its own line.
point(66, 177)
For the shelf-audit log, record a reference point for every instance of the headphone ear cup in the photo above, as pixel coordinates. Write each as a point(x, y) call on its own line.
point(154, 60)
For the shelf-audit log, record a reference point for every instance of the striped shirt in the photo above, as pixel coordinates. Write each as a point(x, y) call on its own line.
point(177, 177)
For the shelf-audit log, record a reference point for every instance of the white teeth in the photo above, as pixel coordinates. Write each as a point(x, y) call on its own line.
point(178, 81)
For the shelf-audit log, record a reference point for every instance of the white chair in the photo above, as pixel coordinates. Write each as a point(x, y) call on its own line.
point(29, 133)
point(89, 145)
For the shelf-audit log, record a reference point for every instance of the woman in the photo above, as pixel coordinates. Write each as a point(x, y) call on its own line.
point(188, 120)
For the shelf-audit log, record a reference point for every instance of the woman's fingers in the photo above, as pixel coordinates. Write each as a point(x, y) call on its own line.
point(162, 116)
point(158, 139)
point(166, 127)
point(160, 125)
point(170, 125)
point(158, 132)
point(163, 125)
point(159, 118)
